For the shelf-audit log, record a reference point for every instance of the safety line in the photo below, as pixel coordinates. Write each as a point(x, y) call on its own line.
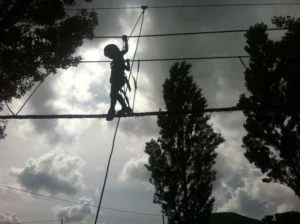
point(137, 44)
point(136, 85)
point(189, 6)
point(185, 33)
point(130, 36)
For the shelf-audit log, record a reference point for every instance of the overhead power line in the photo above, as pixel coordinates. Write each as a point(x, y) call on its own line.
point(224, 5)
point(21, 201)
point(185, 33)
point(31, 222)
point(142, 114)
point(175, 59)
point(78, 203)
point(190, 6)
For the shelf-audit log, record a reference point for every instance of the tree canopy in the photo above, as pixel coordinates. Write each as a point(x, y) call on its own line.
point(272, 79)
point(181, 159)
point(282, 218)
point(36, 39)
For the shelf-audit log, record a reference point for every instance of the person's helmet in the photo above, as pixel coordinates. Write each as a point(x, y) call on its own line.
point(111, 50)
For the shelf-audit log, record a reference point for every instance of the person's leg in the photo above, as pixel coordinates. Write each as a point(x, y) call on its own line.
point(119, 97)
point(113, 100)
point(125, 108)
point(121, 101)
point(113, 96)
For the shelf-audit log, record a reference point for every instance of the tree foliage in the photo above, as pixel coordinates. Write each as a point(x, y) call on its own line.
point(282, 218)
point(181, 159)
point(38, 37)
point(273, 78)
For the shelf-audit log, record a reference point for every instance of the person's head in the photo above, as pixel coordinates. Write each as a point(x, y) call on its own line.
point(111, 51)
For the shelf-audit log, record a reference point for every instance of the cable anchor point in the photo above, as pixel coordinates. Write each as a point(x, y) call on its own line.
point(144, 7)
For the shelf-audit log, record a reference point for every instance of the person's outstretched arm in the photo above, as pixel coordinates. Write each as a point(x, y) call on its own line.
point(125, 39)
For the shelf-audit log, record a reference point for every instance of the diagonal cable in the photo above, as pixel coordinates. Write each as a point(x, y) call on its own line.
point(33, 92)
point(136, 82)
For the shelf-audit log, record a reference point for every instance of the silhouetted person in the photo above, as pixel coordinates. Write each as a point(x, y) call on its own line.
point(117, 78)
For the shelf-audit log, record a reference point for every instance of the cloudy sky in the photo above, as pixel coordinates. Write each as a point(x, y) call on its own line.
point(67, 158)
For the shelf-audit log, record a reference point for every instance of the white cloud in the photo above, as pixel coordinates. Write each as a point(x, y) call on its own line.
point(239, 187)
point(97, 192)
point(257, 199)
point(99, 168)
point(2, 189)
point(54, 172)
point(75, 213)
point(135, 170)
point(6, 218)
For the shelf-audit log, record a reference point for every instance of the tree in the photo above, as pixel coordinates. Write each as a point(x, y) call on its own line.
point(181, 159)
point(272, 79)
point(282, 218)
point(36, 39)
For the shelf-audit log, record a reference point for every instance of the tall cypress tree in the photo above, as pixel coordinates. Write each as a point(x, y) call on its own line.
point(181, 159)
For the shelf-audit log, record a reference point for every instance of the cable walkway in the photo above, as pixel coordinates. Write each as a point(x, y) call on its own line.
point(174, 59)
point(141, 114)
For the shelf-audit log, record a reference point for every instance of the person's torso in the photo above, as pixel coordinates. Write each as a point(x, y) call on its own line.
point(118, 65)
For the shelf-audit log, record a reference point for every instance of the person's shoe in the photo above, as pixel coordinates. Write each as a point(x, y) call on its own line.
point(124, 110)
point(110, 115)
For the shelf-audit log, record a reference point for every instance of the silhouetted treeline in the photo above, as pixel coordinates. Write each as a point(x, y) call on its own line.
point(36, 39)
point(273, 79)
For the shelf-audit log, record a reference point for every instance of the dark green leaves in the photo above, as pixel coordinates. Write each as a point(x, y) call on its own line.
point(36, 39)
point(273, 79)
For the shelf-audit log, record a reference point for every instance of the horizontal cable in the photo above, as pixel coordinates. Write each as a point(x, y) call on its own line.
point(175, 59)
point(31, 222)
point(190, 6)
point(74, 202)
point(142, 114)
point(184, 34)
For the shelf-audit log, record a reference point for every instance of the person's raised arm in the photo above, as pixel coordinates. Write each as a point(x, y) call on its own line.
point(125, 39)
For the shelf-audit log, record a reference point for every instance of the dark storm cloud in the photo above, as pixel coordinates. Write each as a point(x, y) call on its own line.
point(223, 77)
